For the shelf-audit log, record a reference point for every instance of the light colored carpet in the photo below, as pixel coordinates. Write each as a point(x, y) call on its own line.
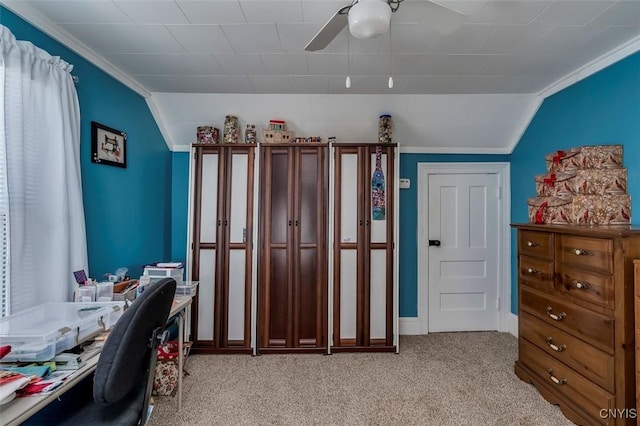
point(438, 379)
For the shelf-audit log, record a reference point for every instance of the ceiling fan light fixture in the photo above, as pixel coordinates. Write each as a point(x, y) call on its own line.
point(369, 18)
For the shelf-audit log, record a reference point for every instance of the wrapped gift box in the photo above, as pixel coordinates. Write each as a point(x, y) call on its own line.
point(600, 182)
point(601, 209)
point(556, 210)
point(559, 184)
point(585, 157)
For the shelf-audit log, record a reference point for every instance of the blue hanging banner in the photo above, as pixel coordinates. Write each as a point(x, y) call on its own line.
point(378, 202)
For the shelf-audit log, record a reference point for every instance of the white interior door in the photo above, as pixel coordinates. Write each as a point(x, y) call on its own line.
point(463, 215)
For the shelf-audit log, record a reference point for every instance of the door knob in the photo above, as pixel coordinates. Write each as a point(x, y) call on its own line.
point(434, 243)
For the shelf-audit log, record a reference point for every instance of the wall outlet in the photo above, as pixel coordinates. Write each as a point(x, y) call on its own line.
point(405, 183)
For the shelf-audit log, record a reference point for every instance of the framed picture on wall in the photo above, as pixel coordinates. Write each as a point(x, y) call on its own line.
point(108, 146)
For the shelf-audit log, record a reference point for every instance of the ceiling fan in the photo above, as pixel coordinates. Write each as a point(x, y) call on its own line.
point(371, 18)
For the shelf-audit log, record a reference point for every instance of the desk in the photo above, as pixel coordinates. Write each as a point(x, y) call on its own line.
point(20, 409)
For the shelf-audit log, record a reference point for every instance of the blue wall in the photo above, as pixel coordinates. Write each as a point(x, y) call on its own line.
point(127, 211)
point(602, 109)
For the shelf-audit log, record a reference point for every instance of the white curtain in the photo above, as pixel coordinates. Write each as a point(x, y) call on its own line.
point(40, 136)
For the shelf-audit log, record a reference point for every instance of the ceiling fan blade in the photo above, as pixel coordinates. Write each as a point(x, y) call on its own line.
point(437, 17)
point(329, 31)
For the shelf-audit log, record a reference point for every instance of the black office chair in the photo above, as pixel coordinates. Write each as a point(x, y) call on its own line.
point(124, 374)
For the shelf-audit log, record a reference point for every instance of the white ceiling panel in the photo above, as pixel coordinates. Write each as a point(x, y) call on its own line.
point(320, 11)
point(467, 39)
point(513, 11)
point(167, 64)
point(285, 63)
point(294, 37)
point(201, 38)
point(250, 64)
point(258, 12)
point(198, 83)
point(212, 12)
point(422, 64)
point(148, 12)
point(253, 38)
point(81, 12)
point(327, 63)
point(462, 64)
point(565, 13)
point(270, 83)
point(513, 38)
point(309, 83)
point(408, 38)
point(125, 38)
point(625, 12)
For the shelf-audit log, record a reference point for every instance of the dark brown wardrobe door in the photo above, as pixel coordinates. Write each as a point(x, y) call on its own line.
point(292, 283)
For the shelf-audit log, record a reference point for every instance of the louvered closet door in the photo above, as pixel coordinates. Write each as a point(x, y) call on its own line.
point(363, 258)
point(292, 280)
point(222, 247)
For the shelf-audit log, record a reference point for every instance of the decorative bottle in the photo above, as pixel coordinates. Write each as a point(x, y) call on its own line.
point(250, 134)
point(231, 129)
point(385, 130)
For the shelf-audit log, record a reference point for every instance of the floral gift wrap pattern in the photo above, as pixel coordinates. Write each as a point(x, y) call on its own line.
point(586, 185)
point(585, 157)
point(601, 209)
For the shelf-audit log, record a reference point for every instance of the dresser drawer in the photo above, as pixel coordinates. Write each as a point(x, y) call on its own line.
point(536, 273)
point(592, 363)
point(594, 328)
point(587, 395)
point(537, 244)
point(595, 254)
point(586, 285)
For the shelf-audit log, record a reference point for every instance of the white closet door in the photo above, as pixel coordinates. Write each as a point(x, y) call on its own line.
point(237, 254)
point(377, 291)
point(206, 294)
point(349, 228)
point(209, 199)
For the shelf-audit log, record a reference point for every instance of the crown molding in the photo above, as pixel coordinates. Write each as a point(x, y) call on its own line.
point(620, 52)
point(45, 25)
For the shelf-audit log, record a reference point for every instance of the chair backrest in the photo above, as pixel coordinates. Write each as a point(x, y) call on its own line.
point(124, 360)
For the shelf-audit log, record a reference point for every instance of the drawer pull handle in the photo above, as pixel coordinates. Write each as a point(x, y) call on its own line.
point(533, 271)
point(582, 286)
point(582, 252)
point(532, 244)
point(554, 379)
point(555, 317)
point(557, 348)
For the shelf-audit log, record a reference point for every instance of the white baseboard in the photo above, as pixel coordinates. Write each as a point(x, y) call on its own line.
point(409, 326)
point(512, 324)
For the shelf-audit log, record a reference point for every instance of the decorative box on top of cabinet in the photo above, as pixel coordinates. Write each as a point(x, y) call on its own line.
point(576, 309)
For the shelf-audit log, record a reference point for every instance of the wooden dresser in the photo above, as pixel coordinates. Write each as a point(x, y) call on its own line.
point(576, 319)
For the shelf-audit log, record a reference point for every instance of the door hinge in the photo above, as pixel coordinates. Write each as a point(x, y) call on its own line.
point(498, 303)
point(499, 192)
point(191, 246)
point(195, 155)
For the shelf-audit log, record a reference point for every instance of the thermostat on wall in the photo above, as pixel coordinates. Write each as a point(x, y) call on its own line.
point(405, 183)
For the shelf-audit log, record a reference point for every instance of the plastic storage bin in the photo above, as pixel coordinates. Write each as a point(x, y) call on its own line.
point(187, 289)
point(40, 333)
point(156, 273)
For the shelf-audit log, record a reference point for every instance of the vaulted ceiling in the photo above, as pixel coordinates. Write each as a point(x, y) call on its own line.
point(210, 47)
